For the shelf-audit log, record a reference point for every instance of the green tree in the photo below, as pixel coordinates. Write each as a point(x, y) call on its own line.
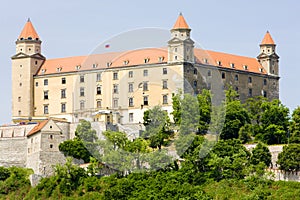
point(205, 109)
point(254, 107)
point(245, 133)
point(295, 126)
point(289, 159)
point(176, 104)
point(273, 134)
point(85, 132)
point(261, 153)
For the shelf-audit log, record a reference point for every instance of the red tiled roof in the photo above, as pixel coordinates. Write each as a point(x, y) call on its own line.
point(268, 39)
point(28, 32)
point(38, 127)
point(180, 23)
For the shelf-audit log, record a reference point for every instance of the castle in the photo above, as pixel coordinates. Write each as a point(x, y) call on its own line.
point(49, 97)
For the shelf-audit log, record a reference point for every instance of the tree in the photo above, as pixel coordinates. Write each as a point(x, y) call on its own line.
point(205, 109)
point(261, 153)
point(289, 159)
point(254, 107)
point(245, 133)
point(76, 149)
point(295, 126)
point(85, 132)
point(176, 104)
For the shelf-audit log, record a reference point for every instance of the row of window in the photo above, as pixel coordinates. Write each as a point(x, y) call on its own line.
point(236, 78)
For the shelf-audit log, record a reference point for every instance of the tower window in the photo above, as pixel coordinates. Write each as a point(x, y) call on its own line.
point(63, 93)
point(63, 81)
point(145, 100)
point(115, 76)
point(20, 84)
point(249, 79)
point(63, 107)
point(145, 72)
point(265, 81)
point(82, 91)
point(45, 81)
point(223, 75)
point(130, 102)
point(98, 89)
point(46, 96)
point(165, 99)
point(165, 71)
point(51, 137)
point(81, 78)
point(46, 110)
point(115, 88)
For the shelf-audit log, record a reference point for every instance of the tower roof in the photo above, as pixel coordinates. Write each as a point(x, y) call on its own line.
point(28, 32)
point(181, 23)
point(268, 39)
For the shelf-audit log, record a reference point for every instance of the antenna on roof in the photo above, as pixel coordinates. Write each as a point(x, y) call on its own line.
point(180, 13)
point(28, 20)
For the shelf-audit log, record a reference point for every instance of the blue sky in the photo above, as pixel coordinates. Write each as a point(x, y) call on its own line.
point(69, 28)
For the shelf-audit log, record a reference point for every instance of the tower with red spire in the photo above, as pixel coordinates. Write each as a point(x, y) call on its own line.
point(25, 64)
point(268, 57)
point(181, 46)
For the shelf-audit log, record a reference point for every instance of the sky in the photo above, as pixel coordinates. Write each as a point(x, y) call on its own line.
point(76, 27)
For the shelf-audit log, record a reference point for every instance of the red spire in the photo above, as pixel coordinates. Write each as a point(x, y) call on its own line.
point(181, 23)
point(268, 39)
point(28, 32)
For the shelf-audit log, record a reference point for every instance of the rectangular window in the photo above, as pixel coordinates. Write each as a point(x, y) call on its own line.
point(98, 77)
point(98, 90)
point(130, 87)
point(223, 75)
point(250, 92)
point(46, 110)
point(265, 93)
point(130, 102)
point(145, 72)
point(208, 73)
point(165, 84)
point(36, 84)
point(81, 105)
point(249, 79)
point(63, 93)
point(130, 117)
point(265, 81)
point(146, 103)
point(46, 96)
point(165, 71)
point(145, 86)
point(209, 86)
point(63, 107)
point(99, 104)
point(115, 90)
point(195, 71)
point(236, 77)
point(82, 91)
point(115, 76)
point(63, 80)
point(130, 74)
point(115, 103)
point(81, 78)
point(45, 81)
point(165, 99)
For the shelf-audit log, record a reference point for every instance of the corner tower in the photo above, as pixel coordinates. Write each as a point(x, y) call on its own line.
point(181, 46)
point(268, 57)
point(25, 64)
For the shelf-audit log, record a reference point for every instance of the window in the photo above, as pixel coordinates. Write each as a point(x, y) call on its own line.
point(175, 49)
point(46, 110)
point(265, 81)
point(165, 99)
point(108, 64)
point(58, 69)
point(98, 77)
point(51, 137)
point(51, 146)
point(45, 81)
point(130, 74)
point(63, 107)
point(130, 87)
point(250, 92)
point(125, 62)
point(146, 60)
point(130, 117)
point(236, 77)
point(115, 76)
point(265, 93)
point(115, 90)
point(219, 63)
point(165, 84)
point(195, 83)
point(99, 104)
point(63, 93)
point(19, 112)
point(249, 79)
point(130, 102)
point(161, 58)
point(237, 89)
point(209, 86)
point(63, 80)
point(115, 103)
point(145, 100)
point(99, 89)
point(36, 84)
point(245, 67)
point(77, 67)
point(95, 65)
point(36, 62)
point(46, 95)
point(195, 71)
point(81, 78)
point(223, 75)
point(165, 71)
point(145, 86)
point(208, 73)
point(232, 65)
point(81, 105)
point(145, 72)
point(19, 99)
point(175, 57)
point(82, 91)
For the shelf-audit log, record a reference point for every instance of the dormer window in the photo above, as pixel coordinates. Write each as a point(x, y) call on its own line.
point(95, 65)
point(108, 64)
point(245, 67)
point(146, 60)
point(232, 65)
point(219, 63)
point(125, 62)
point(78, 67)
point(161, 58)
point(58, 69)
point(205, 60)
point(43, 71)
point(29, 38)
point(261, 70)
